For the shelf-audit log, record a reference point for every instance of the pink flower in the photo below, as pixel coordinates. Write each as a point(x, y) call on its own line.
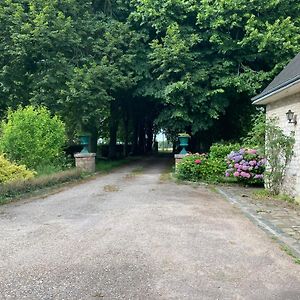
point(245, 168)
point(245, 175)
point(236, 166)
point(236, 174)
point(251, 151)
point(198, 161)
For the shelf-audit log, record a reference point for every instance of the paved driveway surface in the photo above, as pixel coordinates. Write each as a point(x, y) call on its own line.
point(131, 235)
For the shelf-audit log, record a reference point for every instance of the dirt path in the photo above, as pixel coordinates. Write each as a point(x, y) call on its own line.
point(131, 235)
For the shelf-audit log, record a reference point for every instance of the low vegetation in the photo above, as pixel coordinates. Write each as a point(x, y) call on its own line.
point(15, 189)
point(259, 159)
point(12, 172)
point(247, 166)
point(267, 195)
point(108, 165)
point(209, 167)
point(279, 152)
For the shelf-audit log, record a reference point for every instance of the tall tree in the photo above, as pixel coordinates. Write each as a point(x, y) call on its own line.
point(207, 55)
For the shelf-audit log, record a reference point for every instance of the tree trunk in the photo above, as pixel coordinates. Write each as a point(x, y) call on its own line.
point(113, 129)
point(135, 138)
point(150, 136)
point(94, 139)
point(126, 135)
point(142, 137)
point(174, 147)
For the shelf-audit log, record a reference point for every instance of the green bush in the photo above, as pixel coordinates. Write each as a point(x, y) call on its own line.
point(190, 167)
point(220, 150)
point(31, 136)
point(256, 136)
point(212, 167)
point(12, 172)
point(216, 165)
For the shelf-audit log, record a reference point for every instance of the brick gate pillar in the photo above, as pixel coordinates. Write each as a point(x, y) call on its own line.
point(86, 162)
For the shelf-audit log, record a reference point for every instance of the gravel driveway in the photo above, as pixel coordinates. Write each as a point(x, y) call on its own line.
point(133, 235)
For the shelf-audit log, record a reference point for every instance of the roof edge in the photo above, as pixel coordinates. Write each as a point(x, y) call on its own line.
point(262, 97)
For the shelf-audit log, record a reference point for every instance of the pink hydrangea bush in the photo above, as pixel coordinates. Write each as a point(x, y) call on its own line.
point(246, 165)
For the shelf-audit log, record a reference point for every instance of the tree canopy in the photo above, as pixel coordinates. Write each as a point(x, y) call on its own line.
point(125, 69)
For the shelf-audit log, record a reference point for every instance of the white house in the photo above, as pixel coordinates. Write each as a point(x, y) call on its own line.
point(282, 96)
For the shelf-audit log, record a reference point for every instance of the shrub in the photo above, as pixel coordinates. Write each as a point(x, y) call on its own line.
point(279, 152)
point(212, 167)
point(220, 150)
point(31, 136)
point(190, 167)
point(12, 172)
point(215, 166)
point(16, 188)
point(246, 165)
point(256, 136)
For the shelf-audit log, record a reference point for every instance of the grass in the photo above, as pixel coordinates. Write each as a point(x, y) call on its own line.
point(108, 165)
point(213, 189)
point(16, 189)
point(289, 252)
point(266, 195)
point(48, 170)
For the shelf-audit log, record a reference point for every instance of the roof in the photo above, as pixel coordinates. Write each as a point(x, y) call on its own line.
point(289, 75)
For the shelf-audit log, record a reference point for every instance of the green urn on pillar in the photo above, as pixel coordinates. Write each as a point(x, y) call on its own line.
point(184, 142)
point(84, 141)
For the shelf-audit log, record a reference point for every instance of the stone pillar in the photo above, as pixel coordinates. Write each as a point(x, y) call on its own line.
point(86, 162)
point(178, 158)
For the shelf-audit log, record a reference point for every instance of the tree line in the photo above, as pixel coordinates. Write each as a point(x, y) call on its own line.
point(125, 69)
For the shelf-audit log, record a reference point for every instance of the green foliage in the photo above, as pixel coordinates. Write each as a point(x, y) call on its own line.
point(13, 172)
point(221, 150)
point(71, 56)
point(267, 195)
point(33, 137)
point(210, 168)
point(213, 169)
point(210, 57)
point(215, 166)
point(279, 152)
point(257, 134)
point(198, 167)
point(190, 167)
point(180, 65)
point(108, 165)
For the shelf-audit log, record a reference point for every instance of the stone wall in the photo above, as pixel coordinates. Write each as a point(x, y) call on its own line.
point(279, 109)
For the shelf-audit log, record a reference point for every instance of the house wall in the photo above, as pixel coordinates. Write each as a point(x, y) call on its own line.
point(279, 109)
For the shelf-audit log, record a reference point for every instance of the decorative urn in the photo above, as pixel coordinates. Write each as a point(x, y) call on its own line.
point(184, 142)
point(84, 141)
